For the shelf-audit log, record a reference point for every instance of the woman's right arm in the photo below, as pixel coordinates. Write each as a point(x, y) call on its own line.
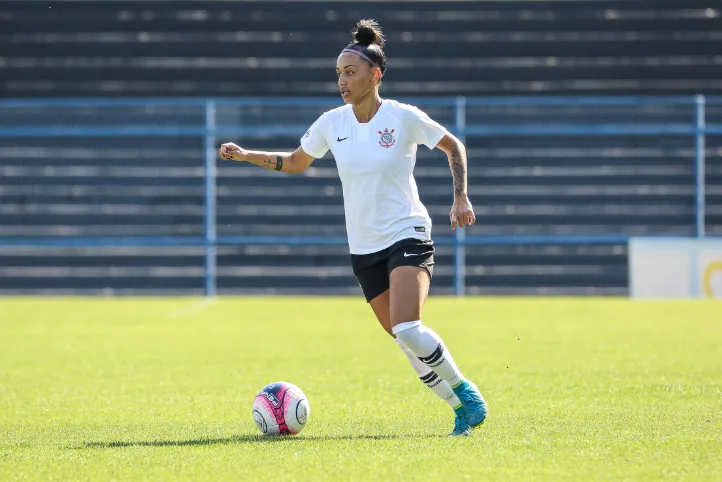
point(292, 162)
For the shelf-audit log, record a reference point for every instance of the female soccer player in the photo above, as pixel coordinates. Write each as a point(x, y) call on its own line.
point(374, 143)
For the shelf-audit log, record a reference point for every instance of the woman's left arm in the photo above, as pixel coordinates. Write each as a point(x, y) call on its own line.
point(462, 213)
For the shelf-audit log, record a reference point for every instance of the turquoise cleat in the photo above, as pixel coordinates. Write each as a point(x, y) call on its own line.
point(461, 427)
point(474, 403)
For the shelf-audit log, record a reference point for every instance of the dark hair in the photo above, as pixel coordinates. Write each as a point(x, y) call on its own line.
point(368, 42)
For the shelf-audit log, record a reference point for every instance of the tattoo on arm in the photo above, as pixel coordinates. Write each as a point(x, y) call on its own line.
point(457, 162)
point(274, 162)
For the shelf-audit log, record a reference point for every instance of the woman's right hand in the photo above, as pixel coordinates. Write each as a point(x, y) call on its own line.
point(232, 152)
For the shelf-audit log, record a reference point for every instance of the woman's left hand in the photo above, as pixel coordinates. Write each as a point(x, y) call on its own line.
point(462, 214)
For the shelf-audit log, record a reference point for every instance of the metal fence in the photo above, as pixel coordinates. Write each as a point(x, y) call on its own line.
point(211, 129)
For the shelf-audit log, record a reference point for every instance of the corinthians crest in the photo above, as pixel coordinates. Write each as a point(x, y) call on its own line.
point(387, 138)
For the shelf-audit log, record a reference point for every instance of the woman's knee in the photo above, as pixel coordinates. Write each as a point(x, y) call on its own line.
point(409, 289)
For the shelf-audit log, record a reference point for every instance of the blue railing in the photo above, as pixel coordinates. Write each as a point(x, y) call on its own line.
point(210, 132)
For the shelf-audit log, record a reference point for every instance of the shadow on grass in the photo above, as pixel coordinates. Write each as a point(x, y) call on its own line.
point(242, 439)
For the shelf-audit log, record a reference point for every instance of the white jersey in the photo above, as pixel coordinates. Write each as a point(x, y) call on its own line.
point(376, 162)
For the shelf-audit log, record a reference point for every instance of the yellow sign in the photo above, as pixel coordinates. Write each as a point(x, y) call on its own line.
point(712, 268)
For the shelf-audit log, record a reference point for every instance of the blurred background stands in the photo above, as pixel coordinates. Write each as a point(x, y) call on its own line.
point(535, 185)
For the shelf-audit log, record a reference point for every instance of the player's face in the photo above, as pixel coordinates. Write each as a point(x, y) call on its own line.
point(355, 77)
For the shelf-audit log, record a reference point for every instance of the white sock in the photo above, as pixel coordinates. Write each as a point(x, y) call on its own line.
point(429, 348)
point(440, 387)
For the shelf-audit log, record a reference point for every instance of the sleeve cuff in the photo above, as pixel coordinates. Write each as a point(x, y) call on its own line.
point(436, 139)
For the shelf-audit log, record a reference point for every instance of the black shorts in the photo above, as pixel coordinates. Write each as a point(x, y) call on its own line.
point(373, 269)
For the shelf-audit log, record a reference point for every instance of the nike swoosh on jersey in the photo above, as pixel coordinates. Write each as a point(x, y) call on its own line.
point(338, 139)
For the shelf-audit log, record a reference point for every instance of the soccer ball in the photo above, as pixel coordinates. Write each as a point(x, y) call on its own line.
point(281, 408)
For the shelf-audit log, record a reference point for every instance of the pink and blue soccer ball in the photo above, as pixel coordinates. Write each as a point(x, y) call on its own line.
point(280, 408)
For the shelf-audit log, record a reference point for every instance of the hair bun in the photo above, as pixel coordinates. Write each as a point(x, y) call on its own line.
point(369, 32)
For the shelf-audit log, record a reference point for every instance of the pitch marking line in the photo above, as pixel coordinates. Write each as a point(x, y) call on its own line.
point(190, 308)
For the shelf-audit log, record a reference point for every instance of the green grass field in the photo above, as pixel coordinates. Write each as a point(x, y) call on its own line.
point(161, 389)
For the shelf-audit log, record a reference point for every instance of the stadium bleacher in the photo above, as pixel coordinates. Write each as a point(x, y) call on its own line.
point(519, 185)
point(286, 48)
